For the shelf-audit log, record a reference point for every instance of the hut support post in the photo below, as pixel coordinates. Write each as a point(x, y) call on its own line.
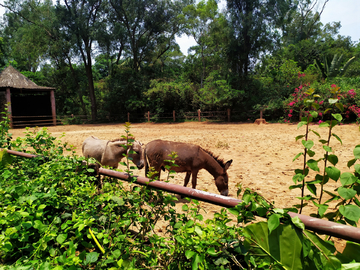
point(174, 119)
point(53, 108)
point(199, 115)
point(8, 101)
point(228, 115)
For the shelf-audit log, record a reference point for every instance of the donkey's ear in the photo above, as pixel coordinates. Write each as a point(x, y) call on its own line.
point(227, 164)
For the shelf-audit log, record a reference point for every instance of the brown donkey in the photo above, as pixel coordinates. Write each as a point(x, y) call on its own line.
point(191, 158)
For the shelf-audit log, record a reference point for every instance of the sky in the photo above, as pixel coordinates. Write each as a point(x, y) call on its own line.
point(345, 11)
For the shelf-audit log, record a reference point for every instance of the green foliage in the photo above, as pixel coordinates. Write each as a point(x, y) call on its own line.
point(217, 93)
point(5, 136)
point(347, 208)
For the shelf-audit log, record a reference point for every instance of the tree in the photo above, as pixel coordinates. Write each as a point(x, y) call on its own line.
point(79, 20)
point(27, 29)
point(199, 18)
point(150, 27)
point(254, 30)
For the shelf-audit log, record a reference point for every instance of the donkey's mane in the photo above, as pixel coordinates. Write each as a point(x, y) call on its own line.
point(122, 139)
point(219, 160)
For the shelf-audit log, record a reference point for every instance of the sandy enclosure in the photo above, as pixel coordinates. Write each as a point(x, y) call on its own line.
point(262, 154)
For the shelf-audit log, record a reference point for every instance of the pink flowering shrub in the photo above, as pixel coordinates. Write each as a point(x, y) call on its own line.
point(296, 103)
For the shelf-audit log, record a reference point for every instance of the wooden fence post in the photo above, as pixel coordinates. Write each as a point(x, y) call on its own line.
point(8, 101)
point(261, 112)
point(128, 117)
point(53, 108)
point(199, 115)
point(228, 115)
point(148, 116)
point(174, 116)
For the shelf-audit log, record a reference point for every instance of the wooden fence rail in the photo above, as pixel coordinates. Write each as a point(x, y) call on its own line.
point(224, 116)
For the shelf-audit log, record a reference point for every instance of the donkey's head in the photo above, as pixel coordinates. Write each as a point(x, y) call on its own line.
point(222, 180)
point(136, 153)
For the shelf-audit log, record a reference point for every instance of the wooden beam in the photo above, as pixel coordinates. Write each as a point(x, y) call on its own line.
point(8, 101)
point(53, 107)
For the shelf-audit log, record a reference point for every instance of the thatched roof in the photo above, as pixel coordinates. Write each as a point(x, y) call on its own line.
point(11, 78)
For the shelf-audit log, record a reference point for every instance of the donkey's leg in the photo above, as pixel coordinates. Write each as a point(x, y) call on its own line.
point(187, 178)
point(194, 179)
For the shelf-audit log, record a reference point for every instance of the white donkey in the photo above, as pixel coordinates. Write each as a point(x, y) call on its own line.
point(109, 153)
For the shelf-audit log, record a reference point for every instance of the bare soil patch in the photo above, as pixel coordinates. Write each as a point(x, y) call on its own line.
point(262, 154)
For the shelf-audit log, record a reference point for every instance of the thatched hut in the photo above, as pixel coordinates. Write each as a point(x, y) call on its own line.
point(30, 104)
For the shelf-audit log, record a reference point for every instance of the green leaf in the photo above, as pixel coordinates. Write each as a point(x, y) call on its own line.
point(211, 251)
point(298, 155)
point(337, 137)
point(91, 257)
point(333, 123)
point(316, 133)
point(299, 137)
point(307, 144)
point(357, 168)
point(327, 148)
point(288, 253)
point(333, 159)
point(300, 124)
point(313, 164)
point(234, 211)
point(346, 193)
point(351, 162)
point(189, 254)
point(298, 223)
point(324, 124)
point(298, 178)
point(333, 100)
point(311, 188)
point(116, 253)
point(118, 200)
point(347, 179)
point(340, 107)
point(196, 262)
point(61, 238)
point(198, 231)
point(351, 252)
point(310, 153)
point(321, 208)
point(273, 222)
point(333, 173)
point(314, 114)
point(295, 186)
point(337, 116)
point(5, 158)
point(357, 152)
point(351, 212)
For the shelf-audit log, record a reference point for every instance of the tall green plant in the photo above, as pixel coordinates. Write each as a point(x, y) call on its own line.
point(5, 136)
point(347, 209)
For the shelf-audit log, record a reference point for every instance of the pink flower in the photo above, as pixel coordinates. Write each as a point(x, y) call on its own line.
point(321, 102)
point(291, 110)
point(320, 114)
point(333, 85)
point(321, 121)
point(290, 115)
point(291, 103)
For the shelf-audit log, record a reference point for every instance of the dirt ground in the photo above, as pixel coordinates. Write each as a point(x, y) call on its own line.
point(262, 154)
